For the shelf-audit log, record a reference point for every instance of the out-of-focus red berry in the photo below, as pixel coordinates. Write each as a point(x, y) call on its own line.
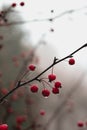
point(42, 112)
point(80, 123)
point(3, 127)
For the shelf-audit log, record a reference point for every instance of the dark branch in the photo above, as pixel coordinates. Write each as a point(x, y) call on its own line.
point(19, 84)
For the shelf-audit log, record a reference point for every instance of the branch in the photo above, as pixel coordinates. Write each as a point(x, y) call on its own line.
point(43, 19)
point(19, 84)
point(54, 63)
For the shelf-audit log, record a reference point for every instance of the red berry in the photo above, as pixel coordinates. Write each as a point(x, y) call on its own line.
point(71, 61)
point(22, 4)
point(42, 112)
point(14, 97)
point(10, 110)
point(20, 119)
point(51, 77)
point(55, 90)
point(57, 84)
point(4, 127)
point(13, 4)
point(4, 91)
point(34, 88)
point(45, 92)
point(32, 67)
point(80, 124)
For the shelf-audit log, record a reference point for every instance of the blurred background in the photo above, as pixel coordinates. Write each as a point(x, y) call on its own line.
point(61, 27)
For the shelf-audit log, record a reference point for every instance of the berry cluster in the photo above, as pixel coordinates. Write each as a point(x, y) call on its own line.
point(45, 91)
point(15, 4)
point(51, 78)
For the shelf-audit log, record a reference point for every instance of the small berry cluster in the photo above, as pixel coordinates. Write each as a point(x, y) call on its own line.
point(15, 4)
point(45, 92)
point(56, 87)
point(51, 78)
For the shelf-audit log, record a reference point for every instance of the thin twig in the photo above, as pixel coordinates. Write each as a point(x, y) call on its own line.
point(43, 19)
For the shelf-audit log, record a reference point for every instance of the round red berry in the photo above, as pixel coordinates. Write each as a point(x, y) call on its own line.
point(32, 67)
point(22, 4)
point(4, 127)
point(57, 84)
point(45, 92)
point(20, 119)
point(34, 88)
point(71, 61)
point(13, 4)
point(55, 90)
point(14, 97)
point(51, 77)
point(4, 91)
point(42, 112)
point(10, 110)
point(80, 124)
